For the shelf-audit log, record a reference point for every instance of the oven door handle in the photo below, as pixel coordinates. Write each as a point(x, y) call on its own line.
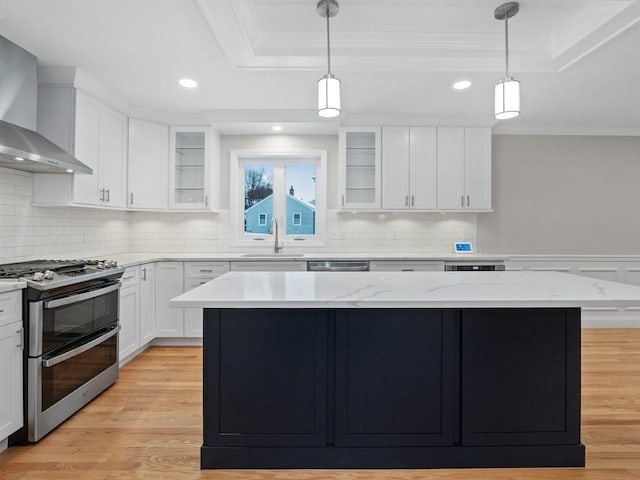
point(60, 302)
point(81, 349)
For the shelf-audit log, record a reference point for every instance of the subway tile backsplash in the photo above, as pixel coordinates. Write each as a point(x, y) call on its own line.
point(29, 232)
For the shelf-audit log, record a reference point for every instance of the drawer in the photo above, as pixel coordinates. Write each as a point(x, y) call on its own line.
point(130, 277)
point(205, 269)
point(193, 283)
point(402, 266)
point(10, 307)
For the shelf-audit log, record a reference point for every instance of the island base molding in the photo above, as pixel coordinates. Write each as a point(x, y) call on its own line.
point(392, 457)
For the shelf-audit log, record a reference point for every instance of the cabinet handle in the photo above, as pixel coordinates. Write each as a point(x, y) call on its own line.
point(21, 344)
point(1, 310)
point(202, 283)
point(462, 200)
point(343, 200)
point(102, 195)
point(131, 202)
point(206, 271)
point(406, 200)
point(127, 278)
point(108, 192)
point(412, 201)
point(206, 200)
point(467, 200)
point(144, 274)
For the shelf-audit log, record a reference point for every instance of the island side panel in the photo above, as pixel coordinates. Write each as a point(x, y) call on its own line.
point(265, 377)
point(521, 377)
point(396, 377)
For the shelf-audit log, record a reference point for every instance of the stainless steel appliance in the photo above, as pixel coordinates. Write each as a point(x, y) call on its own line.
point(474, 267)
point(338, 266)
point(71, 322)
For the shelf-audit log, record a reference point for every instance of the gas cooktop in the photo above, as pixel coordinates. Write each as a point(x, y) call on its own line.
point(46, 274)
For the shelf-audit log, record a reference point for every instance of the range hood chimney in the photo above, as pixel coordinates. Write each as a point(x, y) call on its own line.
point(21, 147)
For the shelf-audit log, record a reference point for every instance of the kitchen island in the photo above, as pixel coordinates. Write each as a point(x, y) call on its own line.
point(394, 370)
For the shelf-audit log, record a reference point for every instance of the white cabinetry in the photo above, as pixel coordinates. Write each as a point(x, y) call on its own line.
point(359, 170)
point(196, 274)
point(169, 284)
point(147, 303)
point(406, 266)
point(190, 168)
point(148, 165)
point(129, 336)
point(96, 135)
point(464, 168)
point(11, 349)
point(409, 168)
point(277, 266)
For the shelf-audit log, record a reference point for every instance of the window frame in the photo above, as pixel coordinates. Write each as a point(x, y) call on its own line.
point(262, 219)
point(238, 159)
point(293, 219)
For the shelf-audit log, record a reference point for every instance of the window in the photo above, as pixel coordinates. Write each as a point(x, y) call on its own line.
point(288, 187)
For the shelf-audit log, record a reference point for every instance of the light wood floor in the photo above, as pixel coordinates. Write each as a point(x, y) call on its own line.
point(148, 426)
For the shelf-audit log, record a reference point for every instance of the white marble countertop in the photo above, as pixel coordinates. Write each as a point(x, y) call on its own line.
point(407, 290)
point(11, 285)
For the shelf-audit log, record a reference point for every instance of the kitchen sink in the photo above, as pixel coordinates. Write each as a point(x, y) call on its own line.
point(273, 255)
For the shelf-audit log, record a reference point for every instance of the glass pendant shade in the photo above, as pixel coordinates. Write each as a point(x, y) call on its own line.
point(328, 96)
point(507, 99)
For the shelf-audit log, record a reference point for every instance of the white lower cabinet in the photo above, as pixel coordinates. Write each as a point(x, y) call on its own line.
point(147, 303)
point(196, 274)
point(278, 266)
point(129, 337)
point(406, 266)
point(169, 284)
point(11, 349)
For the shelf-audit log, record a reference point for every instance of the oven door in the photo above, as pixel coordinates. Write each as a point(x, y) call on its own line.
point(64, 381)
point(56, 322)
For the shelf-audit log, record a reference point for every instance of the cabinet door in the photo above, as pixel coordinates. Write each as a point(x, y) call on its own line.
point(128, 339)
point(395, 377)
point(87, 140)
point(451, 168)
point(189, 168)
point(169, 284)
point(113, 157)
point(521, 377)
point(147, 303)
point(266, 377)
point(193, 316)
point(477, 145)
point(10, 378)
point(148, 165)
point(395, 167)
point(423, 178)
point(359, 168)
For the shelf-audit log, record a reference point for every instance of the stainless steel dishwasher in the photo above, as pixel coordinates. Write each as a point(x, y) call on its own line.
point(338, 266)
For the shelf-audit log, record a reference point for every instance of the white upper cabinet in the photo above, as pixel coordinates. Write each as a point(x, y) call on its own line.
point(93, 133)
point(190, 172)
point(409, 168)
point(463, 168)
point(359, 170)
point(148, 165)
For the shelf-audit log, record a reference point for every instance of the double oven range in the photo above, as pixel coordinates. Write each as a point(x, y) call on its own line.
point(70, 312)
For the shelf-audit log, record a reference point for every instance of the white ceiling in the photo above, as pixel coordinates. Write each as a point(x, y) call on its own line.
point(257, 61)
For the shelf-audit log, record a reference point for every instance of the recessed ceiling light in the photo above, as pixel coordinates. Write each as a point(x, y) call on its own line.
point(276, 128)
point(462, 84)
point(188, 83)
point(19, 159)
point(69, 170)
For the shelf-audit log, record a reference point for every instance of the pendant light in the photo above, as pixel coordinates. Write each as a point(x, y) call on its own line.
point(328, 86)
point(507, 91)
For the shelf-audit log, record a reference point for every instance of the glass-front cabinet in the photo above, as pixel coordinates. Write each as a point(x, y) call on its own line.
point(190, 168)
point(359, 168)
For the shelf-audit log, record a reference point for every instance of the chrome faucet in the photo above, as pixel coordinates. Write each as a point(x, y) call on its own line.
point(272, 230)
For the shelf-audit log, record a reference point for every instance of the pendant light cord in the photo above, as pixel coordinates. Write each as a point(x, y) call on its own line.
point(506, 42)
point(328, 44)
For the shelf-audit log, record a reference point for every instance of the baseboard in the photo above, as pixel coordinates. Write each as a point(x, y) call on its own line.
point(177, 342)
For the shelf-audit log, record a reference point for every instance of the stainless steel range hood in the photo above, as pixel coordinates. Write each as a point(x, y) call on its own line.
point(21, 147)
point(24, 149)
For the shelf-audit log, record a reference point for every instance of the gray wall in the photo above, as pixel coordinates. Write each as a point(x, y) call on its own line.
point(563, 195)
